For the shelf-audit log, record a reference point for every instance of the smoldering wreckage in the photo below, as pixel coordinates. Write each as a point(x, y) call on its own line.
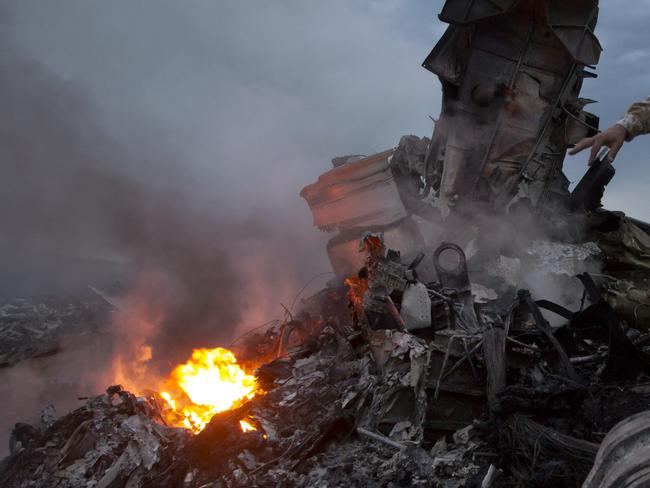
point(486, 327)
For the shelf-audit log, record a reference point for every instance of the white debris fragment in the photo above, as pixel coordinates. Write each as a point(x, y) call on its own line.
point(483, 294)
point(563, 258)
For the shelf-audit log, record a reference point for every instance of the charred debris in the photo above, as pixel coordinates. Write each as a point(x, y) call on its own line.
point(486, 327)
point(445, 383)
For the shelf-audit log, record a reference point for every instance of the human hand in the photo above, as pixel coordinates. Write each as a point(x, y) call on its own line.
point(613, 138)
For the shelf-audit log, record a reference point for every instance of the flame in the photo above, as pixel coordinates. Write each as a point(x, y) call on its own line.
point(357, 288)
point(245, 426)
point(372, 246)
point(210, 382)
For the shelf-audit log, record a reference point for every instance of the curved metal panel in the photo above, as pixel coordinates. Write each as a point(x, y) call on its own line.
point(623, 459)
point(444, 60)
point(469, 11)
point(573, 24)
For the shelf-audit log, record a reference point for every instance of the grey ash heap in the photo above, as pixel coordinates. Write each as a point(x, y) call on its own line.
point(485, 327)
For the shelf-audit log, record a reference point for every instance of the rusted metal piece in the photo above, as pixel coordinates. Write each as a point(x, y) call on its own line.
point(361, 194)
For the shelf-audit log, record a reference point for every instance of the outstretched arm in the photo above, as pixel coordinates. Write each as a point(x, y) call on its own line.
point(635, 122)
point(637, 119)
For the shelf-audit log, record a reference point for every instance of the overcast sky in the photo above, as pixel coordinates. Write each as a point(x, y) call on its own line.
point(256, 97)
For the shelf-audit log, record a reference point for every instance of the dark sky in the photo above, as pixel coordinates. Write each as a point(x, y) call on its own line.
point(255, 97)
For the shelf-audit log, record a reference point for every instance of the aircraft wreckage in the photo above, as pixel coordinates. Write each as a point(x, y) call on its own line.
point(487, 327)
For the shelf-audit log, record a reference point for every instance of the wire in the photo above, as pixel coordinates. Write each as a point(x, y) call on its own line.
point(306, 285)
point(265, 324)
point(274, 321)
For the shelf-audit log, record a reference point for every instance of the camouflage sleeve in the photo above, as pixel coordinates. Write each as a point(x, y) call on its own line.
point(637, 119)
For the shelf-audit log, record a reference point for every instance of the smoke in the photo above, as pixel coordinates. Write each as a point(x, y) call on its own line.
point(523, 249)
point(79, 206)
point(70, 189)
point(147, 144)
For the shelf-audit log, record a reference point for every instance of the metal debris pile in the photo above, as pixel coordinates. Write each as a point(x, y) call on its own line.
point(115, 439)
point(459, 382)
point(305, 426)
point(34, 328)
point(456, 353)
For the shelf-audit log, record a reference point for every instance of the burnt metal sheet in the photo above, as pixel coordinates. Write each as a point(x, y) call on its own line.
point(511, 72)
point(469, 11)
point(573, 23)
point(361, 194)
point(443, 59)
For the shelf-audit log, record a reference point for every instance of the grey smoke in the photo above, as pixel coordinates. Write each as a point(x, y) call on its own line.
point(199, 126)
point(174, 141)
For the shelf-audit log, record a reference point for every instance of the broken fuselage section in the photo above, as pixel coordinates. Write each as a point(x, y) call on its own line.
point(511, 74)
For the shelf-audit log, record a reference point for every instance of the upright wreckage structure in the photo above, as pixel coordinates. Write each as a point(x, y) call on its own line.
point(511, 74)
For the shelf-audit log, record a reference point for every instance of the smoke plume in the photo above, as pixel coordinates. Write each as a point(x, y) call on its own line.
point(79, 206)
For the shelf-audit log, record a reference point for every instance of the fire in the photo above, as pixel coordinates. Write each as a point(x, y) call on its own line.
point(245, 426)
point(373, 248)
point(357, 287)
point(210, 382)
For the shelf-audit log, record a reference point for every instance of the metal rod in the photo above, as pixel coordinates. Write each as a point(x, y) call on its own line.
point(380, 438)
point(393, 311)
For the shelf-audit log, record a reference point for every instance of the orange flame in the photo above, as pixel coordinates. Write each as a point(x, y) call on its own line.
point(357, 288)
point(210, 382)
point(245, 426)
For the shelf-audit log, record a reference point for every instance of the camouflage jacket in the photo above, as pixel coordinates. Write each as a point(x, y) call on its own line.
point(637, 119)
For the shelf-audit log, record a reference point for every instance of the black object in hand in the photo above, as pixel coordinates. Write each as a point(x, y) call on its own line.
point(588, 193)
